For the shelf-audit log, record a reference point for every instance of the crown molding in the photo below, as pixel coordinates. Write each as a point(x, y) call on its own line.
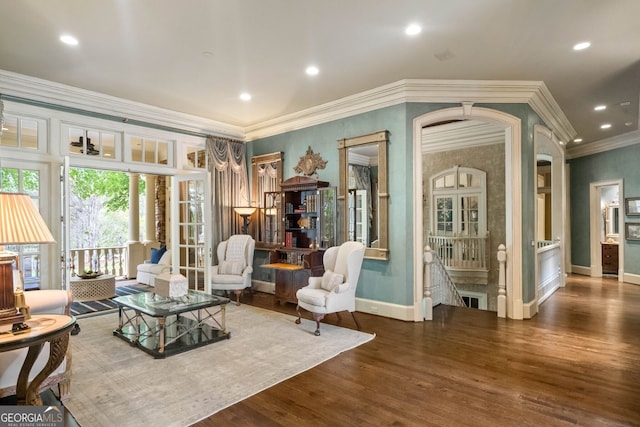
point(619, 141)
point(47, 92)
point(533, 93)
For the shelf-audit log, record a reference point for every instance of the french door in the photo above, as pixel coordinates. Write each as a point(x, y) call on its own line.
point(191, 229)
point(33, 260)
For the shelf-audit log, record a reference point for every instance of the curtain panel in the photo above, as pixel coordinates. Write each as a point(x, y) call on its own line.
point(229, 186)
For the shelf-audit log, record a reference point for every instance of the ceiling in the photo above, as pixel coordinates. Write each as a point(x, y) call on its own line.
point(197, 56)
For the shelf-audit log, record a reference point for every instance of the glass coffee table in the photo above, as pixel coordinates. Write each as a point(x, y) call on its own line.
point(165, 326)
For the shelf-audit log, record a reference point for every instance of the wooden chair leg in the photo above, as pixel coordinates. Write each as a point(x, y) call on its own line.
point(298, 320)
point(237, 292)
point(355, 319)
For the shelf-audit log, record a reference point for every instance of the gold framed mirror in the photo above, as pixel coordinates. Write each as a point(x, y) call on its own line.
point(363, 198)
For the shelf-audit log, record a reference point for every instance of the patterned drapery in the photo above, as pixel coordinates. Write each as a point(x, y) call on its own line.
point(229, 185)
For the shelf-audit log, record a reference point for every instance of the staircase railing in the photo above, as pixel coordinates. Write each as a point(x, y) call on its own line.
point(439, 288)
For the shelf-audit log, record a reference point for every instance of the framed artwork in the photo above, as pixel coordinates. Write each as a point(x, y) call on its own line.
point(632, 230)
point(632, 206)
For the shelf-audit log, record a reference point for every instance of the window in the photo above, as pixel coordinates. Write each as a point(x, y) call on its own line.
point(196, 157)
point(266, 178)
point(459, 203)
point(149, 150)
point(20, 132)
point(91, 142)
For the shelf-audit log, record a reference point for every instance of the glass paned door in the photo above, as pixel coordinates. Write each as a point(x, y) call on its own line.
point(23, 178)
point(191, 230)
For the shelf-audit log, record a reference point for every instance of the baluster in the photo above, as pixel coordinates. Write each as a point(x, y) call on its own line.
point(502, 290)
point(428, 285)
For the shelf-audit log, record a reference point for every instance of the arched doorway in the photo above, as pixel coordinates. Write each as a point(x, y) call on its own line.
point(513, 201)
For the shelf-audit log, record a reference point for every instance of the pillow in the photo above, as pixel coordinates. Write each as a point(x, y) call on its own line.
point(156, 254)
point(330, 280)
point(231, 267)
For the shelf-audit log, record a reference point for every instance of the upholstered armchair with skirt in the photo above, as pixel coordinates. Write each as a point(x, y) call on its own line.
point(235, 265)
point(335, 291)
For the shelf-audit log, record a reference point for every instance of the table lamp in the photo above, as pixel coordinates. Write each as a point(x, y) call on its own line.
point(245, 212)
point(20, 224)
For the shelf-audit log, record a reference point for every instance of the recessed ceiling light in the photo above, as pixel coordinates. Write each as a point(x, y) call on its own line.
point(70, 40)
point(605, 126)
point(581, 45)
point(600, 107)
point(312, 70)
point(245, 96)
point(577, 140)
point(413, 29)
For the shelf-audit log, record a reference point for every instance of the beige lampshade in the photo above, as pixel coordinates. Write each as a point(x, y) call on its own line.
point(248, 210)
point(20, 221)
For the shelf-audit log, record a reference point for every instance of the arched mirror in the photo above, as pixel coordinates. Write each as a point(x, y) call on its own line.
point(362, 194)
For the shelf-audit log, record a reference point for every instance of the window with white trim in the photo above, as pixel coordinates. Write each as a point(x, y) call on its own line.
point(459, 202)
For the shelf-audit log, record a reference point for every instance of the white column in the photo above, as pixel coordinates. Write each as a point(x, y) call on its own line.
point(427, 299)
point(150, 209)
point(502, 288)
point(134, 208)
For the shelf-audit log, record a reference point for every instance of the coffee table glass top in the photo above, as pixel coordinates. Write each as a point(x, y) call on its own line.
point(158, 306)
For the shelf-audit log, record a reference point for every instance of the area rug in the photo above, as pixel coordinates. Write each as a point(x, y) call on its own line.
point(81, 308)
point(114, 384)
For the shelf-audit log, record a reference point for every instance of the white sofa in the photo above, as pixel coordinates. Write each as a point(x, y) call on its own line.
point(147, 272)
point(40, 302)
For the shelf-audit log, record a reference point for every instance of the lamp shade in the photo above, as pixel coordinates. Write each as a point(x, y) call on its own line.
point(20, 221)
point(248, 210)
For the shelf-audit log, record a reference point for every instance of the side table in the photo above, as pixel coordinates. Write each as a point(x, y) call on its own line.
point(101, 287)
point(52, 328)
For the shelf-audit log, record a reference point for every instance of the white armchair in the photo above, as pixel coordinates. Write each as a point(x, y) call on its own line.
point(235, 265)
point(335, 291)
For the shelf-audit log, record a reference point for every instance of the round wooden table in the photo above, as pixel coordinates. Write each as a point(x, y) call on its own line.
point(96, 288)
point(52, 328)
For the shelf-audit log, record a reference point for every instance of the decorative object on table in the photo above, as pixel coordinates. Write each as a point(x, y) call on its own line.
point(245, 212)
point(309, 163)
point(335, 291)
point(171, 285)
point(89, 274)
point(632, 206)
point(20, 224)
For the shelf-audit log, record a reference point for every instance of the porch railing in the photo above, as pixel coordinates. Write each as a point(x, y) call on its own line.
point(110, 260)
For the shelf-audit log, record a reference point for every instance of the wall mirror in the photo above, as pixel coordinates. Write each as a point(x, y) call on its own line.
point(363, 200)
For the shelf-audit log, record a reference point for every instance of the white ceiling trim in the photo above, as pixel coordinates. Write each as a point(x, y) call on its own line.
point(72, 97)
point(413, 90)
point(603, 145)
point(532, 93)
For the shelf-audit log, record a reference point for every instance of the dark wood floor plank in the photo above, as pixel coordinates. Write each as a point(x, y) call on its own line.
point(575, 363)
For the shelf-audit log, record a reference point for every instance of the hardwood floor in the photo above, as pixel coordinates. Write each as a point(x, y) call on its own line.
point(576, 363)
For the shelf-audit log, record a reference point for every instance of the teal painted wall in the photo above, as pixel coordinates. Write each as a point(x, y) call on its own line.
point(621, 163)
point(392, 281)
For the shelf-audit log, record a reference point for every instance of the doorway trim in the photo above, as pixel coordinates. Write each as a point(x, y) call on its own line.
point(513, 202)
point(595, 268)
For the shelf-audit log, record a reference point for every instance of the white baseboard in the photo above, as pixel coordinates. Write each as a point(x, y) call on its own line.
point(529, 309)
point(579, 269)
point(631, 278)
point(262, 286)
point(379, 308)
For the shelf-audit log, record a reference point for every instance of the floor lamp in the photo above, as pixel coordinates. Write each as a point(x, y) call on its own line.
point(20, 224)
point(245, 213)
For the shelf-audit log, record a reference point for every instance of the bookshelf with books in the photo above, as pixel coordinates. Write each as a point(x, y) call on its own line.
point(309, 224)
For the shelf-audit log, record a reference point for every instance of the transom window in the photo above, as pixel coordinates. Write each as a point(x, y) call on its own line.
point(459, 202)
